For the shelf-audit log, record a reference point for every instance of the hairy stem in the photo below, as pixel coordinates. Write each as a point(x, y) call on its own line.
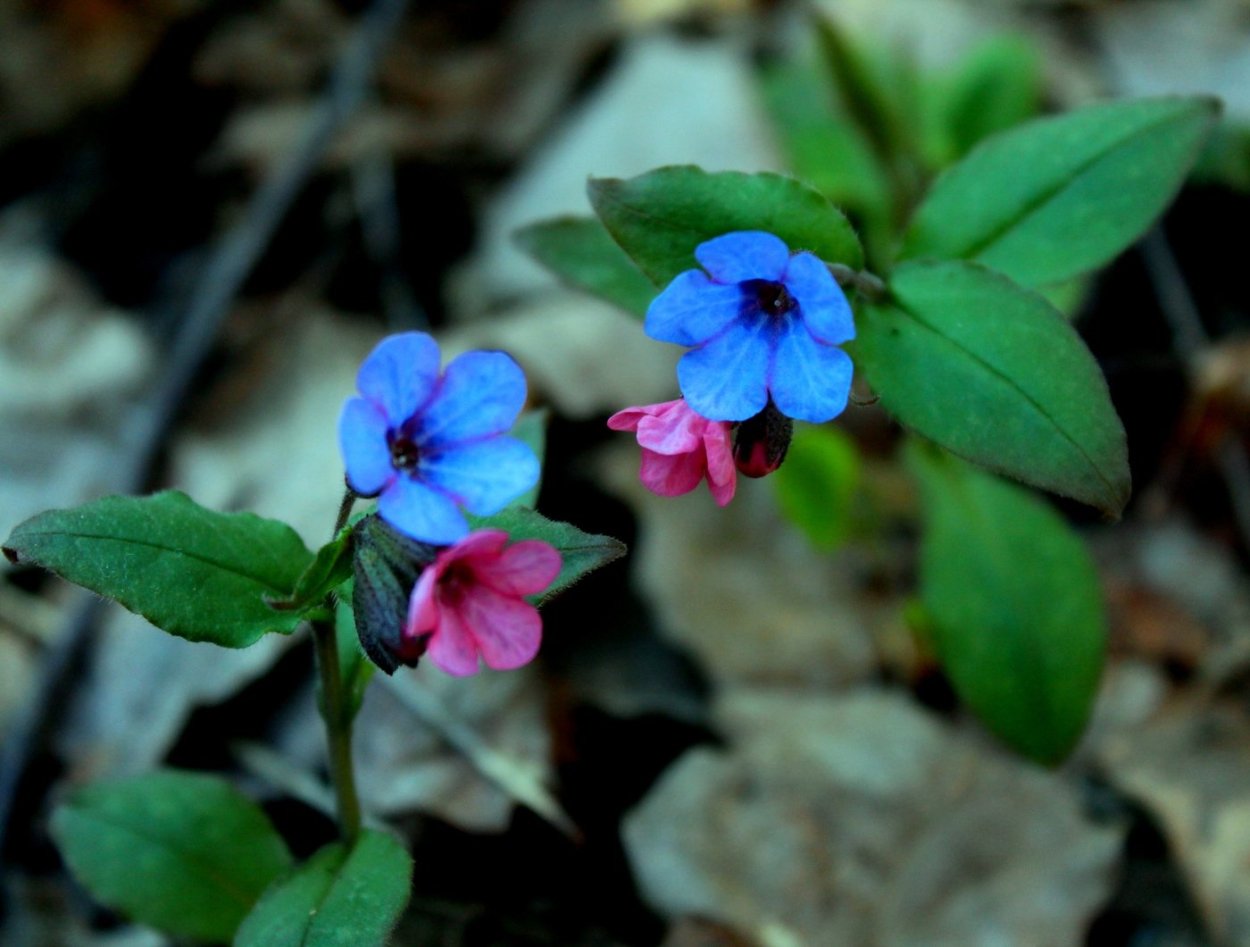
point(334, 710)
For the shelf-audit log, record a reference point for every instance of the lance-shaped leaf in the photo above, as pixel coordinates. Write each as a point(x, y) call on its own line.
point(580, 552)
point(584, 255)
point(340, 897)
point(196, 573)
point(1060, 196)
point(182, 852)
point(995, 374)
point(660, 217)
point(1013, 605)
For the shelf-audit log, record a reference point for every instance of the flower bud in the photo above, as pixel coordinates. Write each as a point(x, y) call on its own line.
point(761, 442)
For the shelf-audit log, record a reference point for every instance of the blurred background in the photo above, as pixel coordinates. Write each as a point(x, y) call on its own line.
point(209, 213)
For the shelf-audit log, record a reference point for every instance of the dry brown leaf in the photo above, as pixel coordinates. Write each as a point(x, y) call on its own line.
point(406, 765)
point(863, 820)
point(742, 589)
point(1190, 768)
point(68, 366)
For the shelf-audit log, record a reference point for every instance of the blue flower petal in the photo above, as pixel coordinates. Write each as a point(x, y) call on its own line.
point(366, 453)
point(399, 374)
point(821, 300)
point(485, 476)
point(727, 379)
point(692, 309)
point(744, 255)
point(808, 380)
point(423, 512)
point(481, 394)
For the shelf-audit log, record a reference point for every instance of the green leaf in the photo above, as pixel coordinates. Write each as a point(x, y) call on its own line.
point(822, 148)
point(330, 568)
point(581, 552)
point(583, 255)
point(182, 852)
point(338, 898)
point(878, 90)
point(1059, 196)
point(995, 374)
point(817, 484)
point(1014, 605)
point(660, 217)
point(997, 86)
point(531, 428)
point(195, 573)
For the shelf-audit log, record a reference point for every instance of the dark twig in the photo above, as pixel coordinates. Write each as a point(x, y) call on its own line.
point(1191, 341)
point(215, 290)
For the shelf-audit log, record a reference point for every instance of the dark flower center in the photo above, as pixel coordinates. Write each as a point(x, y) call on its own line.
point(404, 452)
point(454, 584)
point(771, 298)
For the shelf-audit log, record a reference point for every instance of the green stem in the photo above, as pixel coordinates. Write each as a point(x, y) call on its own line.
point(334, 712)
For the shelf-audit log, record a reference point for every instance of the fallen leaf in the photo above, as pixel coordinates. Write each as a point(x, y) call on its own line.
point(743, 589)
point(1189, 768)
point(863, 820)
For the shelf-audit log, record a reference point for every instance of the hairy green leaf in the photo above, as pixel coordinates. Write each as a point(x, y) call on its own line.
point(195, 573)
point(584, 255)
point(182, 852)
point(660, 217)
point(580, 551)
point(995, 374)
point(1013, 605)
point(1059, 196)
point(338, 898)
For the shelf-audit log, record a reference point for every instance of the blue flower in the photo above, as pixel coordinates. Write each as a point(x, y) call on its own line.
point(428, 444)
point(763, 323)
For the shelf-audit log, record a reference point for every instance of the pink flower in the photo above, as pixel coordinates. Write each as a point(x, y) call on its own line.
point(680, 448)
point(469, 602)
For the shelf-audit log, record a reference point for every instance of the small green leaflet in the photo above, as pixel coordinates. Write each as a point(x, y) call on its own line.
point(182, 852)
point(1060, 196)
point(584, 255)
point(660, 217)
point(1013, 604)
point(995, 374)
point(338, 898)
point(196, 573)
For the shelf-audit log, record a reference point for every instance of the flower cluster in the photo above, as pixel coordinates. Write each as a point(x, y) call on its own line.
point(431, 446)
point(763, 326)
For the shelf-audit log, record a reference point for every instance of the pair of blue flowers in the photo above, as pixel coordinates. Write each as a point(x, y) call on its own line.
point(763, 326)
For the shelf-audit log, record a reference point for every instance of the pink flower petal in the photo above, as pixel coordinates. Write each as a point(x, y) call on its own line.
point(675, 430)
point(507, 630)
point(671, 476)
point(453, 646)
point(722, 473)
point(524, 568)
point(422, 608)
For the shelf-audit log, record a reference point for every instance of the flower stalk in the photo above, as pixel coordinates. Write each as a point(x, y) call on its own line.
point(334, 709)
